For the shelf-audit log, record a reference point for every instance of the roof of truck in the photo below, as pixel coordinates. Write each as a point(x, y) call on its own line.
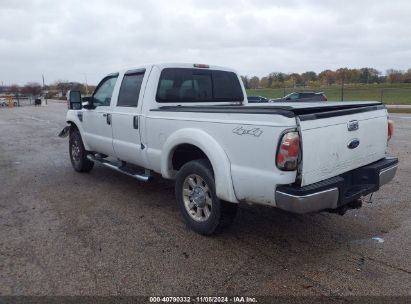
point(200, 66)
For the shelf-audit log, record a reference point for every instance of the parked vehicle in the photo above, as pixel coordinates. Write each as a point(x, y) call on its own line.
point(192, 123)
point(3, 102)
point(302, 96)
point(256, 99)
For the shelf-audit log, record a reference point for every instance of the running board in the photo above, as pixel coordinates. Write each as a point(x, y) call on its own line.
point(121, 169)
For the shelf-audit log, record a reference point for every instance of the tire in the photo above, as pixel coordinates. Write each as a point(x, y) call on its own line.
point(78, 154)
point(196, 196)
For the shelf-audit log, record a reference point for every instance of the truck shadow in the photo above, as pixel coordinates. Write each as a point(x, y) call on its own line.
point(264, 227)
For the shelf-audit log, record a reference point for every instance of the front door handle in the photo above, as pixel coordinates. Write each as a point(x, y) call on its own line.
point(108, 118)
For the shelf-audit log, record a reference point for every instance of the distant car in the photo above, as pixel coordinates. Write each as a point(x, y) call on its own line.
point(256, 99)
point(302, 96)
point(3, 102)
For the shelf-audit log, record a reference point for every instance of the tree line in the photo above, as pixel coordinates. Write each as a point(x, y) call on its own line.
point(326, 78)
point(272, 80)
point(58, 88)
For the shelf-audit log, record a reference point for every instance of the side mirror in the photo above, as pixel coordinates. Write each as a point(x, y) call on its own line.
point(75, 100)
point(88, 102)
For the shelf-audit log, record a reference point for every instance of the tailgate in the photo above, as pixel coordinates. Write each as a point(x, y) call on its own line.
point(340, 141)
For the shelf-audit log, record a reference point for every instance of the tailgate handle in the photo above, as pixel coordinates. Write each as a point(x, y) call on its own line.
point(353, 125)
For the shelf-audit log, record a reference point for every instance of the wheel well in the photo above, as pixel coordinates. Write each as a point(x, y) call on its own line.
point(185, 153)
point(73, 126)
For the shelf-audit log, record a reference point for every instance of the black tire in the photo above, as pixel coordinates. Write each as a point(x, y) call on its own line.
point(220, 213)
point(78, 154)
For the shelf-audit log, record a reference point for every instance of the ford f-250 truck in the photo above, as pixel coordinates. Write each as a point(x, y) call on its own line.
point(192, 123)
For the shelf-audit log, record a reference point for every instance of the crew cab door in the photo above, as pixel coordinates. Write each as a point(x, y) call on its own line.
point(126, 118)
point(97, 121)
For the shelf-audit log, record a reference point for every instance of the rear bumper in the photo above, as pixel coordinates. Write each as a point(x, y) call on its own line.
point(337, 191)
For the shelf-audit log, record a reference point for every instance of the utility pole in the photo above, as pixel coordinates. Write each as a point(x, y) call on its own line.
point(85, 78)
point(45, 97)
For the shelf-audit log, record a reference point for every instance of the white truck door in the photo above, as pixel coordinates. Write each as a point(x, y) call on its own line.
point(126, 118)
point(97, 122)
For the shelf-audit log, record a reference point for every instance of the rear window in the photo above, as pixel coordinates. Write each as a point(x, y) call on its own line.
point(195, 85)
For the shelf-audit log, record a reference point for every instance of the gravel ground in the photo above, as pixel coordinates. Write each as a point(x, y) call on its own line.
point(102, 233)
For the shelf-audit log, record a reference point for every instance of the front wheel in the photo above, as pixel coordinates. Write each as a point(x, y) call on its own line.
point(196, 196)
point(78, 154)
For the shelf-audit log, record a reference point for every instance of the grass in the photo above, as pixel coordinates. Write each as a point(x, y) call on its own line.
point(390, 94)
point(397, 110)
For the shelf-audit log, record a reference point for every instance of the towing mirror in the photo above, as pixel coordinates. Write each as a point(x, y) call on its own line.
point(87, 102)
point(75, 100)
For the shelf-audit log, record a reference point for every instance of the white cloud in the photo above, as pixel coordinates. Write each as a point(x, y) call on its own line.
point(64, 39)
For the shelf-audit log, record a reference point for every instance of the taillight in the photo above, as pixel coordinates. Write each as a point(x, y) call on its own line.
point(390, 129)
point(324, 98)
point(288, 151)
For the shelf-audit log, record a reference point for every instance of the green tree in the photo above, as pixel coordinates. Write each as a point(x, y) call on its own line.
point(308, 76)
point(31, 88)
point(254, 82)
point(327, 77)
point(395, 76)
point(245, 82)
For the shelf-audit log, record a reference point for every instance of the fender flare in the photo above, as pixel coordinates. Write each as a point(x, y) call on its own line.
point(211, 148)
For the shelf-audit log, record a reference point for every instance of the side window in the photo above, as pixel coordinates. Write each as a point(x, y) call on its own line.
point(130, 90)
point(294, 96)
point(102, 96)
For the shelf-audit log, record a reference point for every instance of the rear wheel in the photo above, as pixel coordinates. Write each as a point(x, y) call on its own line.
point(78, 154)
point(195, 192)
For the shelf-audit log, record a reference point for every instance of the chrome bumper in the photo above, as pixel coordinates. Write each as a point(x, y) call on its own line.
point(338, 191)
point(326, 199)
point(388, 174)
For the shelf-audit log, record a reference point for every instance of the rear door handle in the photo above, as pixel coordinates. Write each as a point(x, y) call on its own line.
point(108, 118)
point(135, 122)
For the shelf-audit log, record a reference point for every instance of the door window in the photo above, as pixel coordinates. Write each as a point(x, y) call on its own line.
point(294, 96)
point(130, 90)
point(104, 91)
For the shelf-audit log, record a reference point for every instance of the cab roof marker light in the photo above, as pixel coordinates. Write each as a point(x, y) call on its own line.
point(201, 66)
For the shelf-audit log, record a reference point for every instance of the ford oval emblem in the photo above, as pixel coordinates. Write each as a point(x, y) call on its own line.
point(353, 144)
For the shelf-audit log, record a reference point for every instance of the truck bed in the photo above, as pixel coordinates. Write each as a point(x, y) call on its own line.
point(305, 110)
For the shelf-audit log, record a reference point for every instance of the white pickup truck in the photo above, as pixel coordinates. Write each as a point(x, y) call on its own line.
point(192, 123)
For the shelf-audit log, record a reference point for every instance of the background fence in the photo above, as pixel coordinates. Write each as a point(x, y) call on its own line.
point(400, 95)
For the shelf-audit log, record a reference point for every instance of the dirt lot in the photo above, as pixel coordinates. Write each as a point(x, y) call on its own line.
point(65, 233)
